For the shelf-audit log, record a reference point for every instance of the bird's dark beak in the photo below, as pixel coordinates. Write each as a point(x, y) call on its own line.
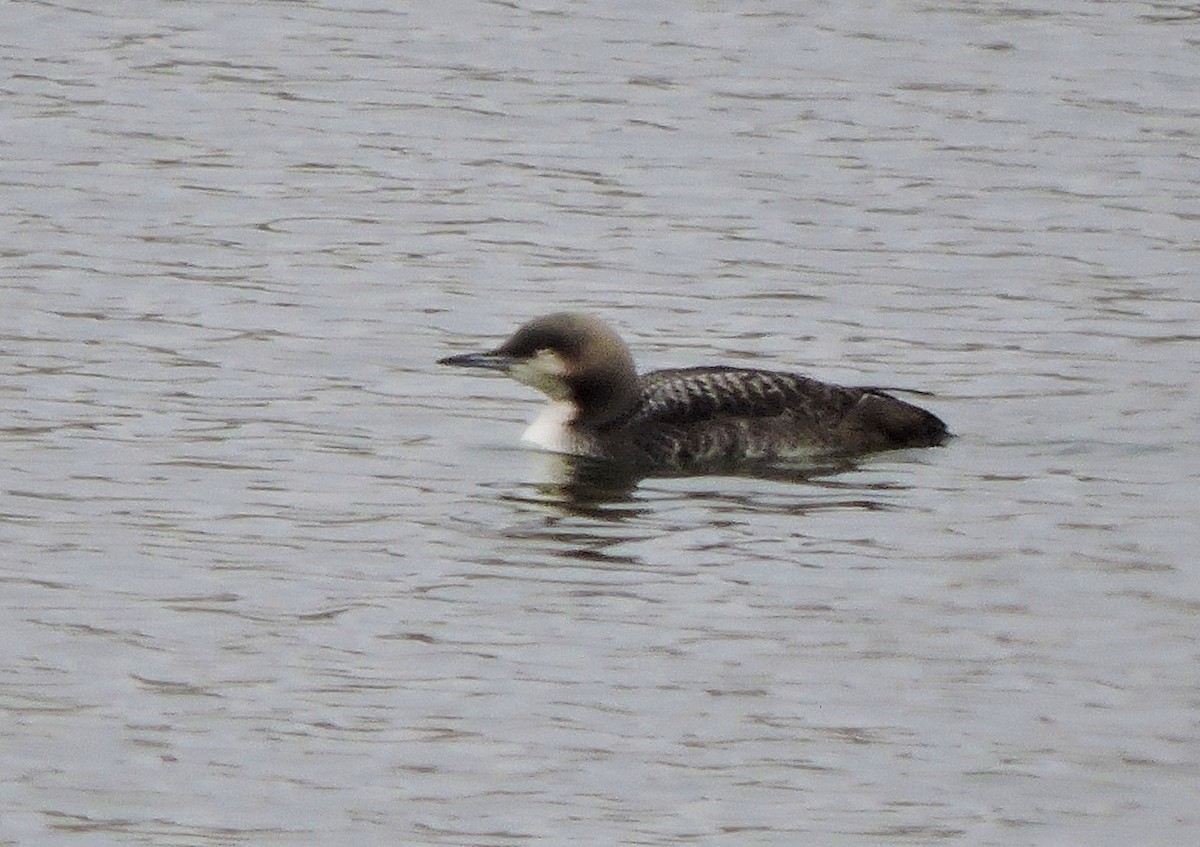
point(492, 360)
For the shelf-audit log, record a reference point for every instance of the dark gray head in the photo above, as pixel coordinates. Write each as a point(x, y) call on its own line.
point(570, 357)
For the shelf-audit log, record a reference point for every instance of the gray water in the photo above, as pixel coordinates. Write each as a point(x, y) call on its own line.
point(270, 576)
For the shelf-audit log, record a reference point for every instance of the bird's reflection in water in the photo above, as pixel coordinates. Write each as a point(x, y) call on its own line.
point(604, 490)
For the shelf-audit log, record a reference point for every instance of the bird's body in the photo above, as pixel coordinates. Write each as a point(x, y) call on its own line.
point(690, 418)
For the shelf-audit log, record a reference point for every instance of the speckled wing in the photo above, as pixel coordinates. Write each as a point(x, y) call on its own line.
point(695, 395)
point(693, 416)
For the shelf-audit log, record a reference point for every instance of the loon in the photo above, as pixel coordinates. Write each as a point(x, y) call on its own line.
point(685, 419)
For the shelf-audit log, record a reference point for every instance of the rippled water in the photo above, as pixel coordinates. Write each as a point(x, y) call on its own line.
point(270, 576)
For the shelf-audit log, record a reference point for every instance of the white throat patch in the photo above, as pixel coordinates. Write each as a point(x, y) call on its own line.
point(551, 431)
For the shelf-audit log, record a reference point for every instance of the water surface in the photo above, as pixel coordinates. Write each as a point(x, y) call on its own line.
point(271, 576)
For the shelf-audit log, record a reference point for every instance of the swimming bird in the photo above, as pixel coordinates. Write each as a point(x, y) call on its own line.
point(687, 419)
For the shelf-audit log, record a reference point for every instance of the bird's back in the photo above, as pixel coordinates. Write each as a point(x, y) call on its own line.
point(691, 416)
